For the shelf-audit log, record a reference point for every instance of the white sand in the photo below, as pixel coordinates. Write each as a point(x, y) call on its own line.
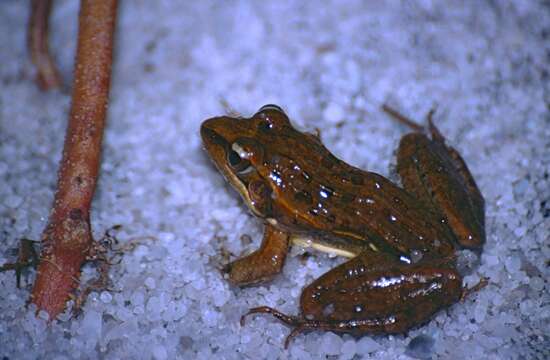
point(484, 63)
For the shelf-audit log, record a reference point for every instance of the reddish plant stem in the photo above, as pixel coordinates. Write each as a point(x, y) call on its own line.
point(47, 76)
point(67, 238)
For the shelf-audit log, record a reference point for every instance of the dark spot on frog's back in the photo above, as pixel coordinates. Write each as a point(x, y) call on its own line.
point(303, 197)
point(313, 211)
point(356, 179)
point(347, 198)
point(328, 161)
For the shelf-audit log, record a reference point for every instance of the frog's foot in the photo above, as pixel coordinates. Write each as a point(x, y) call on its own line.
point(243, 272)
point(263, 263)
point(298, 324)
point(390, 324)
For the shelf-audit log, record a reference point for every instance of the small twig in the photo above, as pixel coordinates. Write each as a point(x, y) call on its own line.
point(484, 281)
point(47, 76)
point(229, 110)
point(67, 238)
point(27, 257)
point(402, 118)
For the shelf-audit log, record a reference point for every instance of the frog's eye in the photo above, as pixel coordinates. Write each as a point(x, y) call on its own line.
point(271, 117)
point(264, 125)
point(237, 158)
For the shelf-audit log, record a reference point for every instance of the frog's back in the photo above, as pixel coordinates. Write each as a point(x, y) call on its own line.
point(334, 199)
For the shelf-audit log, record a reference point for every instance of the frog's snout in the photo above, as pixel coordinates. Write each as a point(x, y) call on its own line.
point(210, 135)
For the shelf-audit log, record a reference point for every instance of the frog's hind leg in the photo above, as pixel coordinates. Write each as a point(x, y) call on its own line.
point(262, 264)
point(373, 293)
point(437, 175)
point(462, 169)
point(474, 194)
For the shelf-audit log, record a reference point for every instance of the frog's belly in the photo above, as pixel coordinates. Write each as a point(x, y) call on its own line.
point(338, 246)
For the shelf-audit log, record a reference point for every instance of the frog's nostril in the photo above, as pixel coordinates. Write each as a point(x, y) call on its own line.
point(209, 135)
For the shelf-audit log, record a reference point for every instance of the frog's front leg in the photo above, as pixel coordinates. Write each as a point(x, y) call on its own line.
point(373, 293)
point(263, 263)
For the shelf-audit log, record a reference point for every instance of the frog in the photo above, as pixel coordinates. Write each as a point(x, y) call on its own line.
point(401, 240)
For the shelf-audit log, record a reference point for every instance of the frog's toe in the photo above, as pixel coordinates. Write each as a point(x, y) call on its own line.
point(287, 319)
point(295, 332)
point(299, 324)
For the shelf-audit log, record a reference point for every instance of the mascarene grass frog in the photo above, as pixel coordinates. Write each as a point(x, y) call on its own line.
point(401, 240)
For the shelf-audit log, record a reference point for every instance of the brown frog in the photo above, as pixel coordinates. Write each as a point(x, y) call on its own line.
point(402, 241)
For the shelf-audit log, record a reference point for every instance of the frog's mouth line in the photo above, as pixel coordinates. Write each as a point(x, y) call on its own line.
point(217, 147)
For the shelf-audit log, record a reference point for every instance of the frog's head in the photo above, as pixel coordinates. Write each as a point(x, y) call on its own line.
point(237, 147)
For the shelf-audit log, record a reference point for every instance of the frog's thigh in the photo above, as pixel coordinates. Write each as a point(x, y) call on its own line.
point(374, 293)
point(262, 264)
point(430, 171)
